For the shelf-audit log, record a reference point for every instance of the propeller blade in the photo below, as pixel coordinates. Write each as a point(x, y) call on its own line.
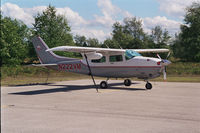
point(168, 55)
point(159, 56)
point(164, 73)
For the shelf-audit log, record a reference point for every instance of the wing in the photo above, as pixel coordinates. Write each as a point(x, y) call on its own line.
point(84, 49)
point(102, 50)
point(151, 50)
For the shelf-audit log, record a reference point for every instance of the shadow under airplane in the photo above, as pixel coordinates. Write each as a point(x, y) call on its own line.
point(67, 88)
point(31, 84)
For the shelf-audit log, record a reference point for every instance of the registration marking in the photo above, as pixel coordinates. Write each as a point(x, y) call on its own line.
point(69, 66)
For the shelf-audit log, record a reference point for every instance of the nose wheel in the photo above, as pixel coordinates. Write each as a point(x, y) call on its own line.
point(148, 86)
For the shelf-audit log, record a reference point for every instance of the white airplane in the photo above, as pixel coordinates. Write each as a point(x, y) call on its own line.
point(104, 62)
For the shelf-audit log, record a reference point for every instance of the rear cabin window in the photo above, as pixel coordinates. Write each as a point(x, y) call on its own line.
point(102, 60)
point(115, 58)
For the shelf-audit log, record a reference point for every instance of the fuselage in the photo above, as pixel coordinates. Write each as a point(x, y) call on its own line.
point(103, 62)
point(115, 66)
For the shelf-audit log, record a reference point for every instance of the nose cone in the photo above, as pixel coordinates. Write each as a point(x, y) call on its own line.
point(166, 62)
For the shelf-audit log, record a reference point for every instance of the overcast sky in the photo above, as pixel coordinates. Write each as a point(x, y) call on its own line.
point(94, 18)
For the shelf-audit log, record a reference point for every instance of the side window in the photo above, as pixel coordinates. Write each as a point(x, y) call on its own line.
point(103, 59)
point(115, 58)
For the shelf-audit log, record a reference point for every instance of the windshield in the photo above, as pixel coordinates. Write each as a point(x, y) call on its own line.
point(129, 54)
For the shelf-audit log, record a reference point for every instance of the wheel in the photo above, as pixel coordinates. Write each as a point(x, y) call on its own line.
point(127, 82)
point(103, 85)
point(148, 86)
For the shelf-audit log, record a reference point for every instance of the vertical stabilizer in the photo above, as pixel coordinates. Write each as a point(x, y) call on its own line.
point(44, 56)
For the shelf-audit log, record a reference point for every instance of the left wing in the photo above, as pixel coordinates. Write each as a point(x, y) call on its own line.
point(103, 50)
point(84, 49)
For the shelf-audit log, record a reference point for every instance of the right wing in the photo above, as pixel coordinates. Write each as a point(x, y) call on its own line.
point(151, 50)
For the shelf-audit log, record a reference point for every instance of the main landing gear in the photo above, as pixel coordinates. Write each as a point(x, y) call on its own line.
point(104, 84)
point(127, 82)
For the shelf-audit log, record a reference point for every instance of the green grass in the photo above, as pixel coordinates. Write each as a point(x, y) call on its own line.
point(176, 72)
point(33, 75)
point(179, 79)
point(183, 68)
point(25, 80)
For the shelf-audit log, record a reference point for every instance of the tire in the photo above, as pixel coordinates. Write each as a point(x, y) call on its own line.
point(127, 82)
point(148, 86)
point(103, 85)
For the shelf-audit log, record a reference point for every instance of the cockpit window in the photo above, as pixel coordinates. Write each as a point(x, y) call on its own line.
point(129, 54)
point(103, 59)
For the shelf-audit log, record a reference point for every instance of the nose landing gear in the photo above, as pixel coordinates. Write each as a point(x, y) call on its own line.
point(148, 86)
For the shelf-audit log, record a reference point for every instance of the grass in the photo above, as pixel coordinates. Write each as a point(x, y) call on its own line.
point(183, 68)
point(176, 72)
point(179, 79)
point(26, 80)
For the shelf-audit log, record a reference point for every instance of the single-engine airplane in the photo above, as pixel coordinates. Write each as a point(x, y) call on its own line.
point(104, 62)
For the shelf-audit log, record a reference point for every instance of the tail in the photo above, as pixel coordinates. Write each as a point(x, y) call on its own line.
point(44, 56)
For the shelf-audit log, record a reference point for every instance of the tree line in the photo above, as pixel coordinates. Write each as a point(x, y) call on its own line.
point(17, 49)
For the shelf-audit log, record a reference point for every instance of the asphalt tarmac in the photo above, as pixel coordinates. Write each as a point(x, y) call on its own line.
point(76, 107)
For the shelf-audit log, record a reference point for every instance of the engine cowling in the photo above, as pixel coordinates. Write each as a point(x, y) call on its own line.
point(94, 55)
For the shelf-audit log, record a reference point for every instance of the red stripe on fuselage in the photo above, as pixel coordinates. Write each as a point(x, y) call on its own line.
point(121, 66)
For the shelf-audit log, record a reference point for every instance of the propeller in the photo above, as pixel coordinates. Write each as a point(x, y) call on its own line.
point(164, 73)
point(164, 62)
point(168, 55)
point(159, 56)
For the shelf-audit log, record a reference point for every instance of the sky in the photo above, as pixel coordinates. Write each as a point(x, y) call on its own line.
point(94, 18)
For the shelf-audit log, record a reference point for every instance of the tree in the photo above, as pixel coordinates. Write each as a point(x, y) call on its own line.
point(14, 41)
point(93, 42)
point(53, 28)
point(159, 37)
point(130, 34)
point(84, 42)
point(187, 43)
point(109, 43)
point(80, 41)
point(156, 34)
point(119, 36)
point(133, 26)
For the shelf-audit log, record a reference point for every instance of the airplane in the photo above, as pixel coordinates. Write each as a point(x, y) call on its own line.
point(104, 62)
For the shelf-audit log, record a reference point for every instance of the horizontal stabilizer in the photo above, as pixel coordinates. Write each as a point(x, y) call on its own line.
point(43, 65)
